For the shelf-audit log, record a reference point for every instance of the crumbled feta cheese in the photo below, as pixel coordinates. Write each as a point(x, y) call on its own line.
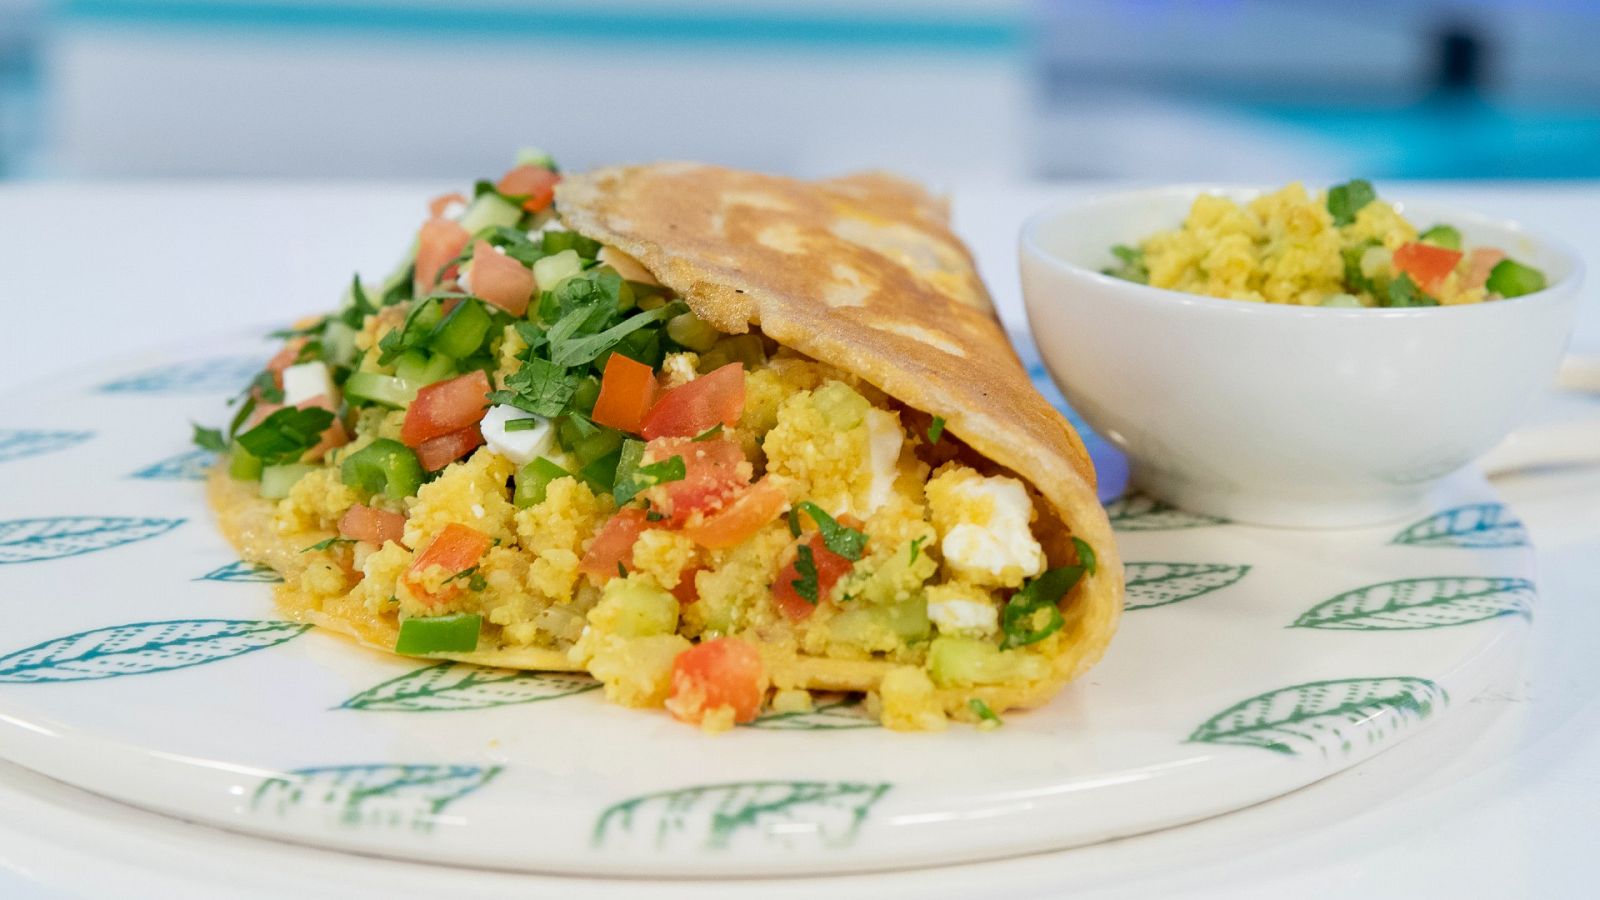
point(477, 510)
point(884, 439)
point(521, 447)
point(984, 523)
point(453, 209)
point(308, 381)
point(679, 369)
point(952, 615)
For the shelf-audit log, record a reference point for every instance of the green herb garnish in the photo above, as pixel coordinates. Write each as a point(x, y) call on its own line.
point(708, 434)
point(286, 434)
point(328, 543)
point(265, 385)
point(209, 439)
point(522, 424)
point(841, 539)
point(539, 387)
point(916, 547)
point(983, 712)
point(1131, 265)
point(1032, 613)
point(475, 580)
point(807, 585)
point(936, 430)
point(1345, 200)
point(1403, 292)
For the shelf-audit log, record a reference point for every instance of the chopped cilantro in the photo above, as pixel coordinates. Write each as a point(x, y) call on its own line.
point(622, 570)
point(807, 586)
point(630, 483)
point(209, 439)
point(1032, 613)
point(983, 712)
point(474, 578)
point(523, 424)
point(936, 430)
point(540, 387)
point(841, 539)
point(286, 434)
point(1403, 292)
point(1086, 557)
point(1345, 200)
point(916, 547)
point(1131, 265)
point(577, 350)
point(653, 516)
point(328, 543)
point(708, 434)
point(265, 385)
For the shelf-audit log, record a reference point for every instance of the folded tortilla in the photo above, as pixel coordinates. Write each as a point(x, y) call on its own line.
point(861, 273)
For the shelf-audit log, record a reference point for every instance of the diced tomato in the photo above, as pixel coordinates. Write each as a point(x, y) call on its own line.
point(536, 183)
point(830, 568)
point(711, 675)
point(687, 410)
point(439, 204)
point(1480, 262)
point(439, 242)
point(436, 453)
point(686, 591)
point(500, 280)
point(714, 472)
point(285, 358)
point(375, 526)
point(613, 546)
point(1427, 265)
point(446, 406)
point(734, 523)
point(626, 392)
point(456, 549)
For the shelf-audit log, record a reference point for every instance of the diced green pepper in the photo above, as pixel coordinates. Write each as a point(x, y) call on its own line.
point(385, 466)
point(243, 466)
point(1510, 278)
point(588, 441)
point(533, 480)
point(456, 633)
point(626, 485)
point(463, 331)
point(418, 369)
point(585, 395)
point(277, 480)
point(601, 474)
point(386, 390)
point(1445, 236)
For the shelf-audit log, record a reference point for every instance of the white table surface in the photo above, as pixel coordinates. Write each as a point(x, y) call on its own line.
point(1501, 798)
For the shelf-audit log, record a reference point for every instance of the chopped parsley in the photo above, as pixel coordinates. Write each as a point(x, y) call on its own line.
point(1032, 613)
point(708, 434)
point(327, 543)
point(936, 430)
point(622, 570)
point(841, 539)
point(916, 547)
point(1345, 200)
point(540, 387)
point(630, 483)
point(475, 579)
point(209, 439)
point(265, 386)
point(575, 350)
point(1130, 265)
point(983, 712)
point(1403, 292)
point(286, 434)
point(807, 585)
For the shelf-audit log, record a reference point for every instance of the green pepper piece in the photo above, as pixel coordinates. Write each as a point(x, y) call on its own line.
point(463, 331)
point(533, 480)
point(386, 466)
point(1510, 278)
point(456, 633)
point(1445, 236)
point(601, 474)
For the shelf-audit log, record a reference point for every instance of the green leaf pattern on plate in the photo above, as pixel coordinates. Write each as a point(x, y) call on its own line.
point(1160, 583)
point(199, 376)
point(798, 815)
point(454, 686)
point(141, 648)
point(33, 540)
point(1411, 604)
point(17, 443)
point(242, 571)
point(1324, 717)
point(1138, 512)
point(835, 715)
point(1475, 526)
point(379, 795)
point(190, 466)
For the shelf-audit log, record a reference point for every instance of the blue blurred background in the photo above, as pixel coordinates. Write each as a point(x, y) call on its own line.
point(1249, 89)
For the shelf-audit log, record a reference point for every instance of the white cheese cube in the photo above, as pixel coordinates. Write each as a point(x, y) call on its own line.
point(307, 381)
point(990, 541)
point(954, 615)
point(523, 445)
point(884, 439)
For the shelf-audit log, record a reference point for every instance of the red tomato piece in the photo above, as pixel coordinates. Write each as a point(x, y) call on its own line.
point(626, 392)
point(439, 204)
point(830, 568)
point(446, 406)
point(690, 409)
point(536, 183)
point(375, 526)
point(724, 672)
point(436, 453)
point(456, 549)
point(285, 358)
point(714, 472)
point(1480, 262)
point(439, 242)
point(613, 546)
point(737, 521)
point(686, 591)
point(501, 280)
point(1427, 265)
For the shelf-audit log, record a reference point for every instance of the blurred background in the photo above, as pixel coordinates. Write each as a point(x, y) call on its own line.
point(1249, 89)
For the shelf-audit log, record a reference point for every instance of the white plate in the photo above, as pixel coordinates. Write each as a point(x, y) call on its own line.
point(141, 661)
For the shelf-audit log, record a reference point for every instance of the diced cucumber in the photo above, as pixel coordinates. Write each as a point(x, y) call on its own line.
point(339, 342)
point(463, 331)
point(556, 268)
point(964, 662)
point(1510, 278)
point(841, 406)
point(533, 481)
point(490, 210)
point(277, 480)
point(387, 390)
point(1445, 236)
point(241, 465)
point(418, 369)
point(635, 609)
point(535, 156)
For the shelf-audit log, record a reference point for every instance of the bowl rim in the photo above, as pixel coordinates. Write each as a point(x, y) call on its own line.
point(1564, 289)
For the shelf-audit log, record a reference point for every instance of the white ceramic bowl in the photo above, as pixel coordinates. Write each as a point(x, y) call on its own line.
point(1285, 415)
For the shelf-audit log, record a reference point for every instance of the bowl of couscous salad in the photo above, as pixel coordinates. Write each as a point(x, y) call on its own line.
point(1296, 356)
